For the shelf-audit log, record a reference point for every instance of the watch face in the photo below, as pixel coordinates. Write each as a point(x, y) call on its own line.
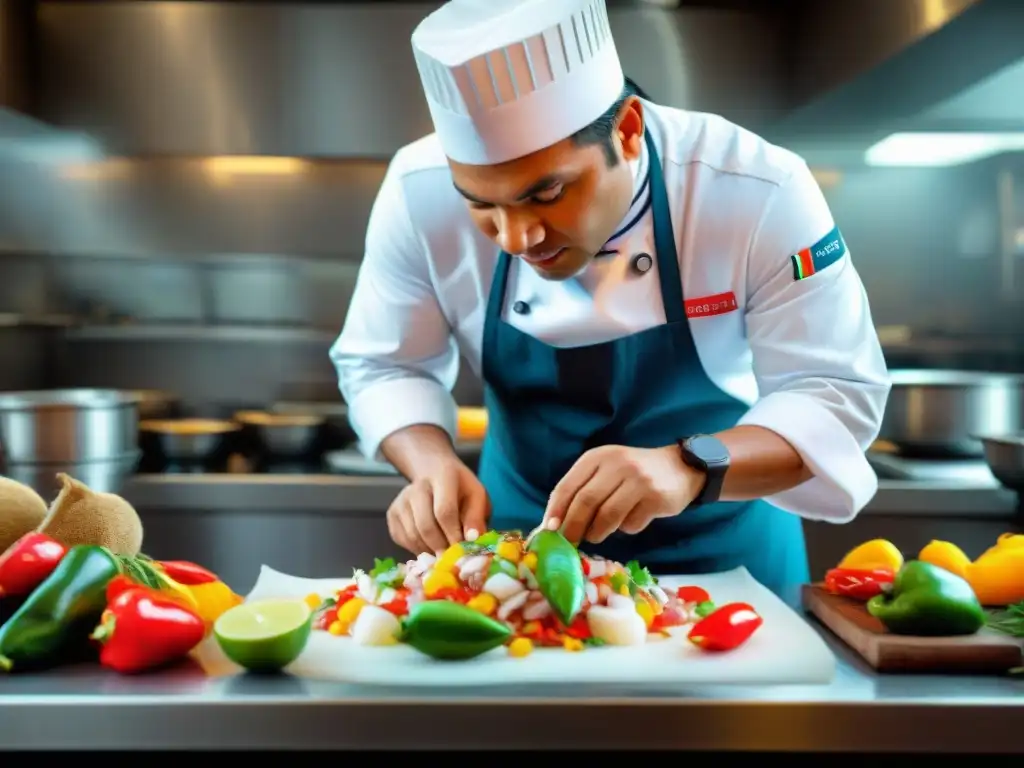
point(708, 449)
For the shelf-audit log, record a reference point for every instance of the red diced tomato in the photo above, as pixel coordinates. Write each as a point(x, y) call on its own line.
point(327, 618)
point(586, 565)
point(669, 617)
point(692, 595)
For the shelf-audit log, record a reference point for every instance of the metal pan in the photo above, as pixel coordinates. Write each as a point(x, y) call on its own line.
point(188, 440)
point(936, 413)
point(1004, 455)
point(282, 434)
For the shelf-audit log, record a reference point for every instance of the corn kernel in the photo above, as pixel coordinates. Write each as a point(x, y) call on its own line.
point(438, 580)
point(313, 601)
point(350, 610)
point(646, 613)
point(572, 644)
point(337, 628)
point(530, 561)
point(485, 602)
point(448, 559)
point(521, 646)
point(509, 550)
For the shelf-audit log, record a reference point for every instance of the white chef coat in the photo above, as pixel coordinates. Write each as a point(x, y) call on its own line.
point(803, 354)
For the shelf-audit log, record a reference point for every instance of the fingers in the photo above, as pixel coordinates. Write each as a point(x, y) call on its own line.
point(430, 534)
point(447, 500)
point(567, 489)
point(401, 526)
point(476, 509)
point(616, 508)
point(587, 501)
point(640, 517)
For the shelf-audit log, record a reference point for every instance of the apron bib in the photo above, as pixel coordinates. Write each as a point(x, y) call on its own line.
point(547, 406)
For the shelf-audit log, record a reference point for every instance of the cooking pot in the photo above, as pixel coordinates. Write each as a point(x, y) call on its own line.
point(1004, 455)
point(940, 413)
point(67, 425)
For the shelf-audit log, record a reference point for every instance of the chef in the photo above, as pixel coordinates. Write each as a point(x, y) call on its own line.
point(678, 354)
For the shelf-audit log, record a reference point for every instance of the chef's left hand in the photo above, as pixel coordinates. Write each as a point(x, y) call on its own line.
point(618, 488)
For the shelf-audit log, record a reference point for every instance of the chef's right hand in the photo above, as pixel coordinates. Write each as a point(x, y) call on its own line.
point(446, 506)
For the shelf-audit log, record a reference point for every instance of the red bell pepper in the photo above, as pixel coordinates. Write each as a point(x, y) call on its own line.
point(186, 573)
point(726, 628)
point(142, 629)
point(692, 595)
point(28, 562)
point(859, 584)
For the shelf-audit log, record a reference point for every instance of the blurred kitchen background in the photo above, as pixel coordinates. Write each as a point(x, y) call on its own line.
point(184, 189)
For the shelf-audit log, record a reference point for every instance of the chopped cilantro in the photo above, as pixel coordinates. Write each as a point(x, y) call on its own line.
point(594, 642)
point(640, 576)
point(386, 572)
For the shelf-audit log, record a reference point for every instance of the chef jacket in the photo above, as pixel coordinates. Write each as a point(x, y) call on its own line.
point(775, 326)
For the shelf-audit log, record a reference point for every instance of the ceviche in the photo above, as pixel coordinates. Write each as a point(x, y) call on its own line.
point(504, 589)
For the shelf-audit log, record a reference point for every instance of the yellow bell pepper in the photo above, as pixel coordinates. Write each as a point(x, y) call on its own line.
point(213, 599)
point(873, 555)
point(997, 576)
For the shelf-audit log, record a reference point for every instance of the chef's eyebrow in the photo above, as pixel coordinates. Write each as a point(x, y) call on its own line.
point(543, 183)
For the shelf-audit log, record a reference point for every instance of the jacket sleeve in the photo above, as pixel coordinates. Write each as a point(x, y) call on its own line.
point(817, 359)
point(396, 358)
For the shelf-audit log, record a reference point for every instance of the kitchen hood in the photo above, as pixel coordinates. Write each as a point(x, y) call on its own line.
point(860, 71)
point(23, 138)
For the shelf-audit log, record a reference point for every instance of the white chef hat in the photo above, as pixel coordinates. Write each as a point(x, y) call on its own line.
point(504, 78)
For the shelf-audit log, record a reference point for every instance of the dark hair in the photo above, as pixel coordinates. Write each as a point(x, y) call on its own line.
point(600, 131)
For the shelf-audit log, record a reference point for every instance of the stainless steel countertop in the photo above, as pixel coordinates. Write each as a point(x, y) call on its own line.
point(189, 708)
point(337, 494)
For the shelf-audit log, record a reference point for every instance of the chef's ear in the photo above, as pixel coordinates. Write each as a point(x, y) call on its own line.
point(630, 128)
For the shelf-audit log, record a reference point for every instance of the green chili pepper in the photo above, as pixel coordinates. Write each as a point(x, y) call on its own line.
point(704, 609)
point(444, 629)
point(560, 576)
point(58, 617)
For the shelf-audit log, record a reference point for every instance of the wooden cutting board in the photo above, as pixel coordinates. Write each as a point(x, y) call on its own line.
point(985, 652)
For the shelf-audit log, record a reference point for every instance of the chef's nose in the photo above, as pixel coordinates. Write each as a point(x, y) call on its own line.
point(518, 231)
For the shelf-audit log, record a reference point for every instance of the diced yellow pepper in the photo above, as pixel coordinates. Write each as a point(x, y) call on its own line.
point(313, 601)
point(644, 609)
point(572, 644)
point(530, 561)
point(438, 580)
point(509, 550)
point(624, 590)
point(520, 647)
point(448, 559)
point(531, 628)
point(485, 602)
point(337, 628)
point(350, 610)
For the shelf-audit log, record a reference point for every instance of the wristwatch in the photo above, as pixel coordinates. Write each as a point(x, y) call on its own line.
point(709, 455)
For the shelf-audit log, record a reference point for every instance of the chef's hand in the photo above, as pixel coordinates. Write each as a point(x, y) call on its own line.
point(618, 488)
point(446, 506)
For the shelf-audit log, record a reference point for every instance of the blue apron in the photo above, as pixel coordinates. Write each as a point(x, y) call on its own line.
point(547, 406)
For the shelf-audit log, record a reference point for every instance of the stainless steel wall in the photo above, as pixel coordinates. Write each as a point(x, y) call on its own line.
point(337, 80)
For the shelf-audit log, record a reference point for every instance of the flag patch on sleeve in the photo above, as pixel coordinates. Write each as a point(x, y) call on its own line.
point(824, 253)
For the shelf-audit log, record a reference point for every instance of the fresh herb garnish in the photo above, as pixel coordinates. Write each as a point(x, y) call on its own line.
point(640, 576)
point(386, 572)
point(1009, 621)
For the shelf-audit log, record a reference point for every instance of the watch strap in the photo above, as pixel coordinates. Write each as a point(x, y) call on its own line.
point(714, 475)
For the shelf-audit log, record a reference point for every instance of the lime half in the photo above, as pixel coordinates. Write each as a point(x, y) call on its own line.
point(265, 635)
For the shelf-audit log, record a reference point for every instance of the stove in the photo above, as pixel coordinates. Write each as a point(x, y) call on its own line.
point(891, 466)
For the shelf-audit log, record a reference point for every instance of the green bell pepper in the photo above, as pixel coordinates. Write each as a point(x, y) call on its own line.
point(928, 601)
point(560, 576)
point(444, 629)
point(56, 619)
